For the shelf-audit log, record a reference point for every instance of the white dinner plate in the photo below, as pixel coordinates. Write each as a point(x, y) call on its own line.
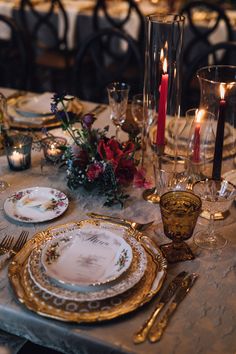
point(34, 106)
point(36, 204)
point(122, 283)
point(86, 258)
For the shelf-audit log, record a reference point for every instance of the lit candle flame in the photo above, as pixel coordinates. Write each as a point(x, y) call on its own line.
point(222, 91)
point(199, 114)
point(165, 66)
point(162, 54)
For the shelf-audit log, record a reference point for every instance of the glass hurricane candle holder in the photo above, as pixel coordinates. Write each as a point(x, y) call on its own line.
point(18, 152)
point(161, 82)
point(179, 212)
point(218, 96)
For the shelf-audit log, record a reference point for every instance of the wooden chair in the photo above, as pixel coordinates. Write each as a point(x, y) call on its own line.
point(52, 58)
point(15, 57)
point(219, 54)
point(105, 56)
point(102, 17)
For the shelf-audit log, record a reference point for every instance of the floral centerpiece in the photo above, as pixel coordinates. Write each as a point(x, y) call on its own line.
point(95, 161)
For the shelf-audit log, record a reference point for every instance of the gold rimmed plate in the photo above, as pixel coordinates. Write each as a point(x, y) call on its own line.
point(49, 305)
point(23, 116)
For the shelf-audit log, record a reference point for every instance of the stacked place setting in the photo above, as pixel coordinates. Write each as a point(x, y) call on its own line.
point(32, 111)
point(87, 271)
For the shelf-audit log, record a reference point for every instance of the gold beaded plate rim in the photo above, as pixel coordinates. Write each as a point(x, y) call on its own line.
point(108, 309)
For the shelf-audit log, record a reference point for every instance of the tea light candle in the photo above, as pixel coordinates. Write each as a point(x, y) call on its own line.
point(17, 158)
point(52, 151)
point(161, 122)
point(218, 153)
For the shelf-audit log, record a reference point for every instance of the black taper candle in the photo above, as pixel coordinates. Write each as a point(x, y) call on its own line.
point(219, 142)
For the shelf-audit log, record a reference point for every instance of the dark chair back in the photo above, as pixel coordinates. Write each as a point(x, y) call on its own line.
point(40, 22)
point(102, 17)
point(15, 59)
point(219, 54)
point(105, 56)
point(197, 37)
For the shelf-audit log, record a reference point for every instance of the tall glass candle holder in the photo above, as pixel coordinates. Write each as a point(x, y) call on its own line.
point(164, 35)
point(218, 96)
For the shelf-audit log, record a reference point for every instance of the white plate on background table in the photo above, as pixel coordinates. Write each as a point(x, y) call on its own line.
point(123, 282)
point(36, 204)
point(35, 105)
point(86, 258)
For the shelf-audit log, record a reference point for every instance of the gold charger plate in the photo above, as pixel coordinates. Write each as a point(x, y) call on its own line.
point(46, 122)
point(43, 303)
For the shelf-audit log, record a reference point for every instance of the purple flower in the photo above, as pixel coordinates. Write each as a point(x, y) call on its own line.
point(88, 120)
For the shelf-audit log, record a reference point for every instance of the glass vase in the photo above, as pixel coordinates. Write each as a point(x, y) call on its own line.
point(164, 35)
point(218, 96)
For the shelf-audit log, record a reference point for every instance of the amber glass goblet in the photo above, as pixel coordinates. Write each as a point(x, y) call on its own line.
point(179, 212)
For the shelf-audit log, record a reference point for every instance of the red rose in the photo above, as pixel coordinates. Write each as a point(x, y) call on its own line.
point(94, 171)
point(80, 157)
point(125, 172)
point(110, 151)
point(128, 148)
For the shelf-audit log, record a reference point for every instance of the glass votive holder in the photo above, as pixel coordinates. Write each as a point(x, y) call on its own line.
point(52, 148)
point(18, 152)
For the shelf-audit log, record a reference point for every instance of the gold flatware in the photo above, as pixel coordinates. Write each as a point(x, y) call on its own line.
point(5, 244)
point(98, 109)
point(134, 225)
point(10, 252)
point(19, 243)
point(158, 327)
point(173, 286)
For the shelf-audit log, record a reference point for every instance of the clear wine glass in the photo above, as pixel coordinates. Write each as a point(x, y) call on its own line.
point(118, 93)
point(137, 109)
point(217, 197)
point(3, 126)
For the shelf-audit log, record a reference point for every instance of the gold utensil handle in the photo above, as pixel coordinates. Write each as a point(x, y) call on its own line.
point(109, 218)
point(158, 328)
point(142, 333)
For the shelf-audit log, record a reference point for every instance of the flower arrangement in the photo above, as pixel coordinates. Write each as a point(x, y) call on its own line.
point(93, 160)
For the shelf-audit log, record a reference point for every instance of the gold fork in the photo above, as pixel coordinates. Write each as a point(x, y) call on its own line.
point(5, 244)
point(19, 243)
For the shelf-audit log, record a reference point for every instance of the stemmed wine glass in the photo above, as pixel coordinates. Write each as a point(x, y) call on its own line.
point(217, 197)
point(137, 109)
point(3, 125)
point(118, 93)
point(179, 212)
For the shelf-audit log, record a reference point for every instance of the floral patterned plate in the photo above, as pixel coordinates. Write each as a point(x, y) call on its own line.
point(36, 204)
point(87, 257)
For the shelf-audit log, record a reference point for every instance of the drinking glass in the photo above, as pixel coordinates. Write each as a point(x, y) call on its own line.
point(199, 137)
point(179, 212)
point(137, 109)
point(3, 127)
point(217, 197)
point(118, 93)
point(170, 172)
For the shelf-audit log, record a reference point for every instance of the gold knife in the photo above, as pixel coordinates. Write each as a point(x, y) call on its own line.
point(173, 286)
point(158, 327)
